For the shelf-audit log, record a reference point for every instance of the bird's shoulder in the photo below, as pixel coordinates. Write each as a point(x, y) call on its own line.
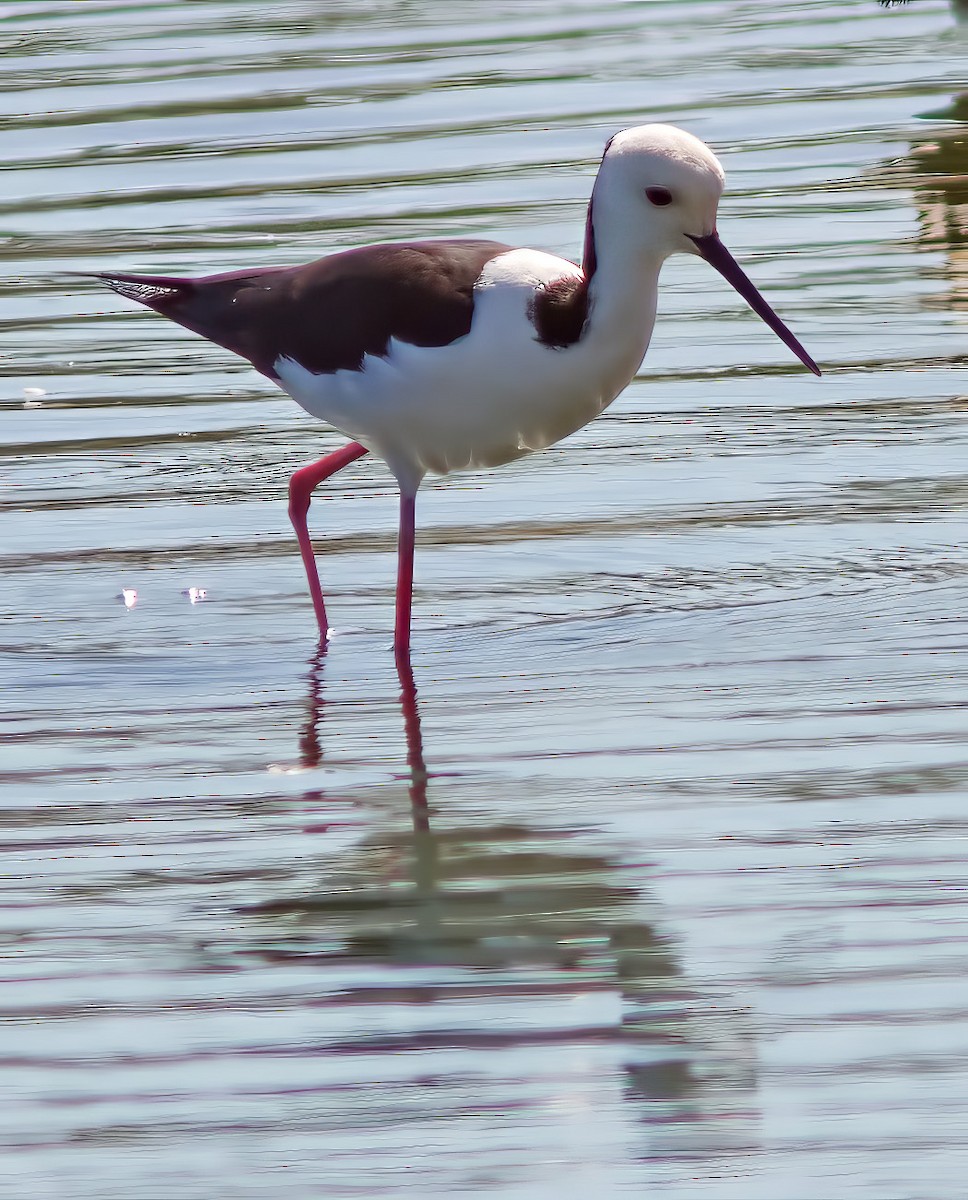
point(528, 268)
point(556, 293)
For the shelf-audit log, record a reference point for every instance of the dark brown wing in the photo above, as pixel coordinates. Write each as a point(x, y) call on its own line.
point(328, 314)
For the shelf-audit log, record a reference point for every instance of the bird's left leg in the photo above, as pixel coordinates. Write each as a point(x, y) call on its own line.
point(301, 487)
point(405, 546)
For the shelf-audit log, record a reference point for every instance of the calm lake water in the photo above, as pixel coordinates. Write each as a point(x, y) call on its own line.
point(680, 906)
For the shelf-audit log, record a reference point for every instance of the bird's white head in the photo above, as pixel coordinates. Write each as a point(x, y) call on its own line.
point(667, 182)
point(657, 194)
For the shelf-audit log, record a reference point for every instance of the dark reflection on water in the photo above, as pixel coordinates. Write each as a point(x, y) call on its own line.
point(544, 936)
point(940, 175)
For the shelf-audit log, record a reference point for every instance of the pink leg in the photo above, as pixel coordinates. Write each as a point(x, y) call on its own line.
point(301, 487)
point(401, 635)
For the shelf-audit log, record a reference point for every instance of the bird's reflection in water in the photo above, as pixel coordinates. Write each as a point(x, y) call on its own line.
point(311, 741)
point(513, 968)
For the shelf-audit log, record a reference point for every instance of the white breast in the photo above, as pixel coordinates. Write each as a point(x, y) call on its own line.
point(484, 399)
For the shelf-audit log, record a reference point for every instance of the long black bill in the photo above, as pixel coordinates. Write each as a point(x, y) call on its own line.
point(716, 254)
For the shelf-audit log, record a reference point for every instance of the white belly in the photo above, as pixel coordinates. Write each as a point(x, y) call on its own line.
point(486, 398)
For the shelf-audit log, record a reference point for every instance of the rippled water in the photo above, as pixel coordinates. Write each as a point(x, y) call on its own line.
point(678, 906)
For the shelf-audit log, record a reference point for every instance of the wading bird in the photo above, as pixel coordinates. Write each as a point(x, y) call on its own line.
point(442, 356)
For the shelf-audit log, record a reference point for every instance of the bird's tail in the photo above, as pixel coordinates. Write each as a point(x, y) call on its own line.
point(153, 290)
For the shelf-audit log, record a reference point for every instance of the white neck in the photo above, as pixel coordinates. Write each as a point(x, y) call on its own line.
point(623, 288)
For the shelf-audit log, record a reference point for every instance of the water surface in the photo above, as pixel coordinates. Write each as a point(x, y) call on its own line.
point(666, 892)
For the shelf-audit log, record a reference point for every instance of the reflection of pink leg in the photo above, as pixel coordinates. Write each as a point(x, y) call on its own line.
point(415, 754)
point(301, 487)
point(401, 633)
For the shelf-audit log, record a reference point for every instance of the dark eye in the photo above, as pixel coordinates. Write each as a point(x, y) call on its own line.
point(659, 196)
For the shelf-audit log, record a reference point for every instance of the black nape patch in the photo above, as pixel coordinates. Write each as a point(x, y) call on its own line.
point(559, 312)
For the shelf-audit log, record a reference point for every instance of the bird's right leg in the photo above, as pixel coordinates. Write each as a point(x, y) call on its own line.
point(301, 487)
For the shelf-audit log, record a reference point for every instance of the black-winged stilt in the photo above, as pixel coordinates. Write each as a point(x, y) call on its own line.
point(442, 356)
